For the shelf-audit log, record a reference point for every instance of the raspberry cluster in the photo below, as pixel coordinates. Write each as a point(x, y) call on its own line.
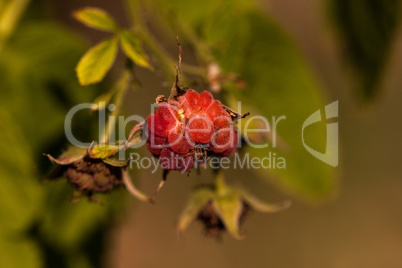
point(189, 129)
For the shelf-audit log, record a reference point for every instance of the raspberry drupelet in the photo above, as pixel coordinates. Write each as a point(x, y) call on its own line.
point(189, 129)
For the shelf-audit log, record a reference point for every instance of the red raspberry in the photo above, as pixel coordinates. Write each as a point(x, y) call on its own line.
point(214, 109)
point(222, 120)
point(204, 99)
point(172, 161)
point(167, 114)
point(190, 128)
point(234, 141)
point(220, 141)
point(189, 102)
point(155, 144)
point(200, 129)
point(178, 143)
point(156, 126)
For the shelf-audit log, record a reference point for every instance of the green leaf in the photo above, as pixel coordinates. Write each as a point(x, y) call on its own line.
point(279, 83)
point(94, 65)
point(103, 150)
point(229, 208)
point(261, 206)
point(115, 161)
point(132, 48)
point(367, 29)
point(198, 200)
point(96, 18)
point(71, 155)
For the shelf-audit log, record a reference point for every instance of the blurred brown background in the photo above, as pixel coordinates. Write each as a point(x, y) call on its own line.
point(362, 227)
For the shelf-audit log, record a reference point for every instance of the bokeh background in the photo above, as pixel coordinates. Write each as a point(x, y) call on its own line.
point(360, 227)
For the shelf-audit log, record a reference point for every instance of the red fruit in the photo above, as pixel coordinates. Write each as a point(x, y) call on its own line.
point(156, 126)
point(178, 143)
point(214, 110)
point(186, 163)
point(234, 141)
point(172, 161)
point(168, 159)
point(222, 120)
point(204, 99)
point(155, 144)
point(224, 141)
point(190, 128)
point(189, 102)
point(167, 114)
point(200, 129)
point(220, 141)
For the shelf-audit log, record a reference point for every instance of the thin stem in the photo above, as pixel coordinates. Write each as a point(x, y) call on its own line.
point(132, 189)
point(121, 87)
point(201, 48)
point(9, 18)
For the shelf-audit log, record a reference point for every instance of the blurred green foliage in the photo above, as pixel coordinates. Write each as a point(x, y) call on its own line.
point(367, 29)
point(38, 88)
point(21, 197)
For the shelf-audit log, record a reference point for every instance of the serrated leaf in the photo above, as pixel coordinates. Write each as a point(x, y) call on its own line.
point(131, 46)
point(94, 65)
point(96, 18)
point(367, 29)
point(279, 83)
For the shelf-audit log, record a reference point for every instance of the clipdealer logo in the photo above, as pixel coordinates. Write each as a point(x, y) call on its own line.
point(331, 151)
point(330, 112)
